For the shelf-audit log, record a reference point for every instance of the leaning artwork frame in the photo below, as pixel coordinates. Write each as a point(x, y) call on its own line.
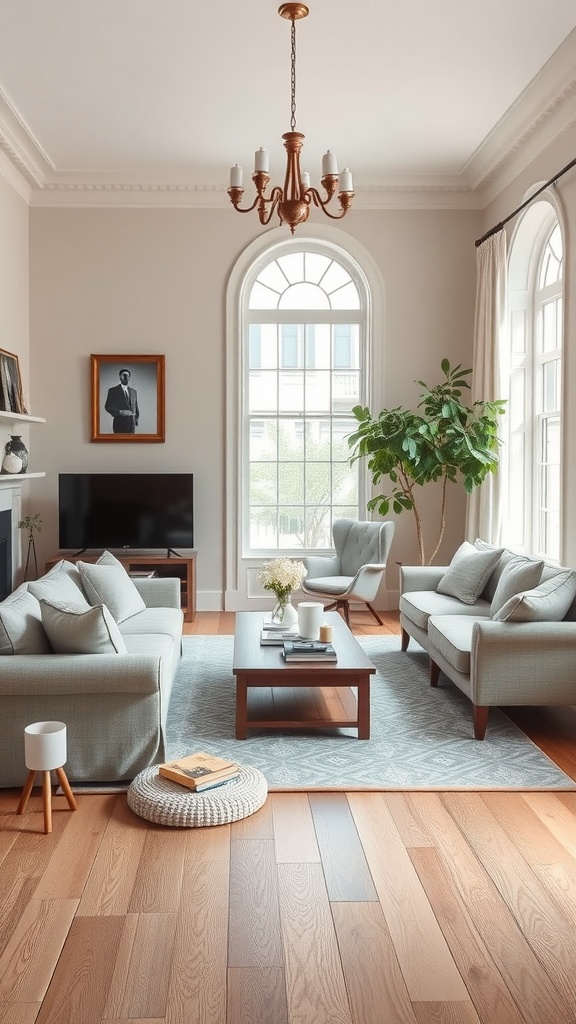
point(11, 398)
point(127, 398)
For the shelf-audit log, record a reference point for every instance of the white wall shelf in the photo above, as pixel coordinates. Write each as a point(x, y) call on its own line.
point(20, 417)
point(22, 477)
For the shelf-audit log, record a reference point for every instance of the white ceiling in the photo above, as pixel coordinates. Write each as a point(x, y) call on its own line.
point(169, 93)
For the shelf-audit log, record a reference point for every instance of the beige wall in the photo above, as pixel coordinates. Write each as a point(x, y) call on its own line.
point(146, 281)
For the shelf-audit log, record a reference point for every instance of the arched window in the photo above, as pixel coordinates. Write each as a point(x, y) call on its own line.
point(536, 269)
point(304, 368)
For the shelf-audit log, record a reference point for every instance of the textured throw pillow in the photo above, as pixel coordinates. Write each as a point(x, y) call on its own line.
point(518, 575)
point(60, 585)
point(467, 574)
point(75, 631)
point(107, 558)
point(548, 602)
point(112, 586)
point(21, 630)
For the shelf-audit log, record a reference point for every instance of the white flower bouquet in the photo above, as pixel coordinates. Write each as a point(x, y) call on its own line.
point(282, 576)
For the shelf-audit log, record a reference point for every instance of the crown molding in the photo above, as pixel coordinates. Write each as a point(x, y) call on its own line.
point(543, 111)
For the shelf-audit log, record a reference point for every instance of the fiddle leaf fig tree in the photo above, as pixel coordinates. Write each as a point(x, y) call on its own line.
point(445, 441)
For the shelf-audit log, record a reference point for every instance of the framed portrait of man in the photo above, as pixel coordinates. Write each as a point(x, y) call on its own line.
point(127, 398)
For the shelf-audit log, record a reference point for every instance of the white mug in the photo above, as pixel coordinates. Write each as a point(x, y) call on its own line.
point(309, 619)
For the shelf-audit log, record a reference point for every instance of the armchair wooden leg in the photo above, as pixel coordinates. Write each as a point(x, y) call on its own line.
point(375, 614)
point(480, 720)
point(344, 607)
point(434, 673)
point(405, 640)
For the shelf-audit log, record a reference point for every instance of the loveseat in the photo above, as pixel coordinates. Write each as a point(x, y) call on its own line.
point(89, 646)
point(500, 626)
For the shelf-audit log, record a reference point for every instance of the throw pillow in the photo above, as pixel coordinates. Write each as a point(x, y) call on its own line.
point(21, 630)
point(75, 631)
point(548, 602)
point(112, 586)
point(60, 585)
point(467, 574)
point(518, 575)
point(107, 558)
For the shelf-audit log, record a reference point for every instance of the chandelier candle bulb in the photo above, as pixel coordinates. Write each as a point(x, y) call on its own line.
point(236, 176)
point(305, 180)
point(346, 181)
point(329, 164)
point(261, 161)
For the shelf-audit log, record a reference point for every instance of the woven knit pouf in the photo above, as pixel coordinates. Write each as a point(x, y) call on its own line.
point(166, 803)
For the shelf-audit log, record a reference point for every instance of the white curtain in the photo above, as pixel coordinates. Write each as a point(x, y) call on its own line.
point(483, 510)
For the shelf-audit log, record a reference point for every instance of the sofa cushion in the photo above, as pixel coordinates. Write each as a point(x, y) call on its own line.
point(153, 620)
point(451, 636)
point(519, 574)
point(468, 574)
point(21, 629)
point(419, 605)
point(78, 631)
point(494, 578)
point(62, 584)
point(112, 586)
point(549, 602)
point(107, 558)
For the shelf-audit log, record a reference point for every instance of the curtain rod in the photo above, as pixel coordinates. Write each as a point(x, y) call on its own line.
point(499, 227)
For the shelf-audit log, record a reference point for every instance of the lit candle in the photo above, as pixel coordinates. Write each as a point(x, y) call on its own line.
point(305, 180)
point(329, 164)
point(346, 180)
point(261, 160)
point(236, 176)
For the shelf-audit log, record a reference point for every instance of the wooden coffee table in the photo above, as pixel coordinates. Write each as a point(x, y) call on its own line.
point(263, 670)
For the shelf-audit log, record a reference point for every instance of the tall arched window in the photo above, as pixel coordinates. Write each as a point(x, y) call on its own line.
point(304, 368)
point(536, 267)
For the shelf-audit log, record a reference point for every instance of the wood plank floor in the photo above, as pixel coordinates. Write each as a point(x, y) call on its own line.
point(321, 908)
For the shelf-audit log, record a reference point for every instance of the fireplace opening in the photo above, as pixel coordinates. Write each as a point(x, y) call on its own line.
point(5, 554)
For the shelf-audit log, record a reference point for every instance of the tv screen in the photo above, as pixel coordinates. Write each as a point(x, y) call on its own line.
point(125, 510)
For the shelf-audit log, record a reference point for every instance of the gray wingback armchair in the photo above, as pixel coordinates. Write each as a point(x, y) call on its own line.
point(355, 571)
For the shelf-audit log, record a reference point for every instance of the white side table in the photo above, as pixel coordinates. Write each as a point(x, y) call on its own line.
point(45, 751)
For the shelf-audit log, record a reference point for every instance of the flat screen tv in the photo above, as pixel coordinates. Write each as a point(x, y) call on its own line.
point(125, 510)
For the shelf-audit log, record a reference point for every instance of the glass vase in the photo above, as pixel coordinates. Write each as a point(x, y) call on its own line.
point(284, 612)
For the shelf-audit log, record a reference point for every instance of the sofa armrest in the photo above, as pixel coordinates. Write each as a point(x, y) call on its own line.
point(159, 591)
point(58, 674)
point(420, 577)
point(523, 663)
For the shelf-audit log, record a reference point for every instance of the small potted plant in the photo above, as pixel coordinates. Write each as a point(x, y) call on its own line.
point(33, 524)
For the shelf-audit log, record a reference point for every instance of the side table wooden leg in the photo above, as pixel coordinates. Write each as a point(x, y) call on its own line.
point(66, 788)
point(47, 801)
point(28, 786)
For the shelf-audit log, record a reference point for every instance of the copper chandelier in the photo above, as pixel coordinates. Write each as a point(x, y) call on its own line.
point(292, 202)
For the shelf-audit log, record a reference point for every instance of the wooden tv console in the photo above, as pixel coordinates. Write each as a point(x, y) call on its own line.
point(184, 569)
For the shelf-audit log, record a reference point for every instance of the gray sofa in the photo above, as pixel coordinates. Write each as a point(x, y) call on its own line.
point(103, 667)
point(500, 626)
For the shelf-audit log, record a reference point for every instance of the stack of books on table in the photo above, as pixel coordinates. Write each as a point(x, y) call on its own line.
point(200, 771)
point(274, 633)
point(308, 650)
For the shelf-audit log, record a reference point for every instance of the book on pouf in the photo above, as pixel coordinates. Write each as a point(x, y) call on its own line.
point(199, 771)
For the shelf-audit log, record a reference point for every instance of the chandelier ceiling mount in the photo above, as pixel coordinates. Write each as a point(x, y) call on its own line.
point(292, 201)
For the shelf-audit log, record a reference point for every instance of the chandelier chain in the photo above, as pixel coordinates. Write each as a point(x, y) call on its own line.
point(293, 79)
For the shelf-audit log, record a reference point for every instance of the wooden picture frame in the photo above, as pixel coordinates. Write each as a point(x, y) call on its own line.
point(128, 403)
point(11, 399)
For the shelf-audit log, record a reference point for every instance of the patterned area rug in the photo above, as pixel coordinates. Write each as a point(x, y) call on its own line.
point(421, 738)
